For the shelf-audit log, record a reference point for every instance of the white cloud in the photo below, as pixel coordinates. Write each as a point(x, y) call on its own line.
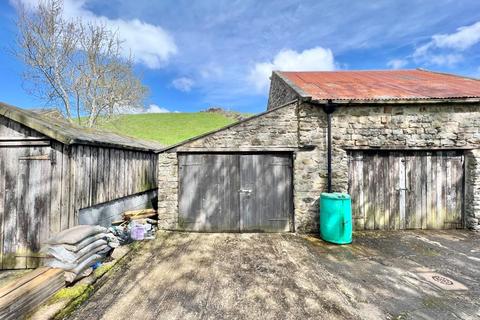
point(152, 108)
point(149, 44)
point(211, 70)
point(445, 59)
point(315, 59)
point(444, 49)
point(397, 63)
point(464, 38)
point(183, 84)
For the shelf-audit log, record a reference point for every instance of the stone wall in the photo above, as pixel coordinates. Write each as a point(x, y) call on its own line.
point(274, 130)
point(280, 93)
point(167, 191)
point(302, 128)
point(472, 192)
point(381, 127)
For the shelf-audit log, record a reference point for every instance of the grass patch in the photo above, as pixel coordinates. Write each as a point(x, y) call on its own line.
point(167, 128)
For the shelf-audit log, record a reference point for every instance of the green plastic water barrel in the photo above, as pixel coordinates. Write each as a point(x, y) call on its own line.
point(336, 218)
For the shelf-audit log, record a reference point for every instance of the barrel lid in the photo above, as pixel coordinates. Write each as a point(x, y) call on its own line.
point(335, 195)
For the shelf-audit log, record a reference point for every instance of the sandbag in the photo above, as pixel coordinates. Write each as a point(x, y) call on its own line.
point(71, 277)
point(87, 263)
point(63, 255)
point(75, 234)
point(79, 246)
point(54, 263)
point(59, 253)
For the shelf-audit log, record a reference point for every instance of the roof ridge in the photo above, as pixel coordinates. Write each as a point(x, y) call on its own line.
point(448, 74)
point(344, 71)
point(68, 134)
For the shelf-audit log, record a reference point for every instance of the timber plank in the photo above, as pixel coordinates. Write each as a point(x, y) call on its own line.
point(424, 194)
point(387, 191)
point(29, 294)
point(10, 217)
point(55, 212)
point(402, 191)
point(122, 175)
point(101, 175)
point(379, 185)
point(441, 205)
point(29, 286)
point(9, 287)
point(94, 177)
point(2, 201)
point(368, 169)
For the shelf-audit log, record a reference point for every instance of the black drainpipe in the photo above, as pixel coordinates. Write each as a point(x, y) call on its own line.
point(329, 108)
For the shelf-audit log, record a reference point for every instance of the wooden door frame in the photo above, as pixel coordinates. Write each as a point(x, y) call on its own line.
point(289, 153)
point(406, 152)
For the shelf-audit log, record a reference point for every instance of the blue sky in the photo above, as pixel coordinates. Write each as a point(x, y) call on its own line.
point(196, 54)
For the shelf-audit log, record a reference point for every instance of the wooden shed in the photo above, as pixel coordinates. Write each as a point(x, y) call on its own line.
point(50, 171)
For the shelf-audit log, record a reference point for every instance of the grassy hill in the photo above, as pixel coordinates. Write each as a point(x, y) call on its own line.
point(167, 128)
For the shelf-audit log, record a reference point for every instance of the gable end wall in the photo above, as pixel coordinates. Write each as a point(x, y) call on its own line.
point(280, 92)
point(275, 131)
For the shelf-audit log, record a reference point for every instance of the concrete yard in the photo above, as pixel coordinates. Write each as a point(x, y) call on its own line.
point(382, 275)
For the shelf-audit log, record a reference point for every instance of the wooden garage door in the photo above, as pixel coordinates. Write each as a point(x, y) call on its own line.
point(407, 190)
point(235, 192)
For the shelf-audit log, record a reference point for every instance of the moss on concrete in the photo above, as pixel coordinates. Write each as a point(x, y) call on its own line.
point(104, 268)
point(78, 295)
point(69, 293)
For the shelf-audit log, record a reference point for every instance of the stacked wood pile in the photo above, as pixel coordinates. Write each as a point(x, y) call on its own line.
point(137, 215)
point(23, 295)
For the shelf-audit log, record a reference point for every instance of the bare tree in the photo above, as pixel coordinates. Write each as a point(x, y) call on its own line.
point(76, 65)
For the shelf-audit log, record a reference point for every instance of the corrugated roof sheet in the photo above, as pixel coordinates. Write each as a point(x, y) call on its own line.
point(70, 134)
point(381, 85)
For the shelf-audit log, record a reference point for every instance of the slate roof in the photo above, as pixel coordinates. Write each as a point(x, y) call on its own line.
point(382, 86)
point(69, 134)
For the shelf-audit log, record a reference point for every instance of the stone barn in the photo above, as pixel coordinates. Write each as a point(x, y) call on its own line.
point(404, 143)
point(54, 176)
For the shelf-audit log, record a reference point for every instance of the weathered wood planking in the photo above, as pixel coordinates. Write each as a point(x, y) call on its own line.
point(406, 190)
point(23, 295)
point(235, 192)
point(122, 173)
point(43, 186)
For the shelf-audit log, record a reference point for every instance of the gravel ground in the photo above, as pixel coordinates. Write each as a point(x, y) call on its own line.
point(382, 275)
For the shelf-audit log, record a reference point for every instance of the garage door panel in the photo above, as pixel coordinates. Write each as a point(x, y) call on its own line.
point(265, 192)
point(190, 204)
point(235, 192)
point(208, 193)
point(454, 190)
point(356, 187)
point(414, 193)
point(407, 190)
point(277, 186)
point(369, 193)
point(282, 182)
point(394, 191)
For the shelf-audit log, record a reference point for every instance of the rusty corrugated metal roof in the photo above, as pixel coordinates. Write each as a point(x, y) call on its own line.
point(387, 85)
